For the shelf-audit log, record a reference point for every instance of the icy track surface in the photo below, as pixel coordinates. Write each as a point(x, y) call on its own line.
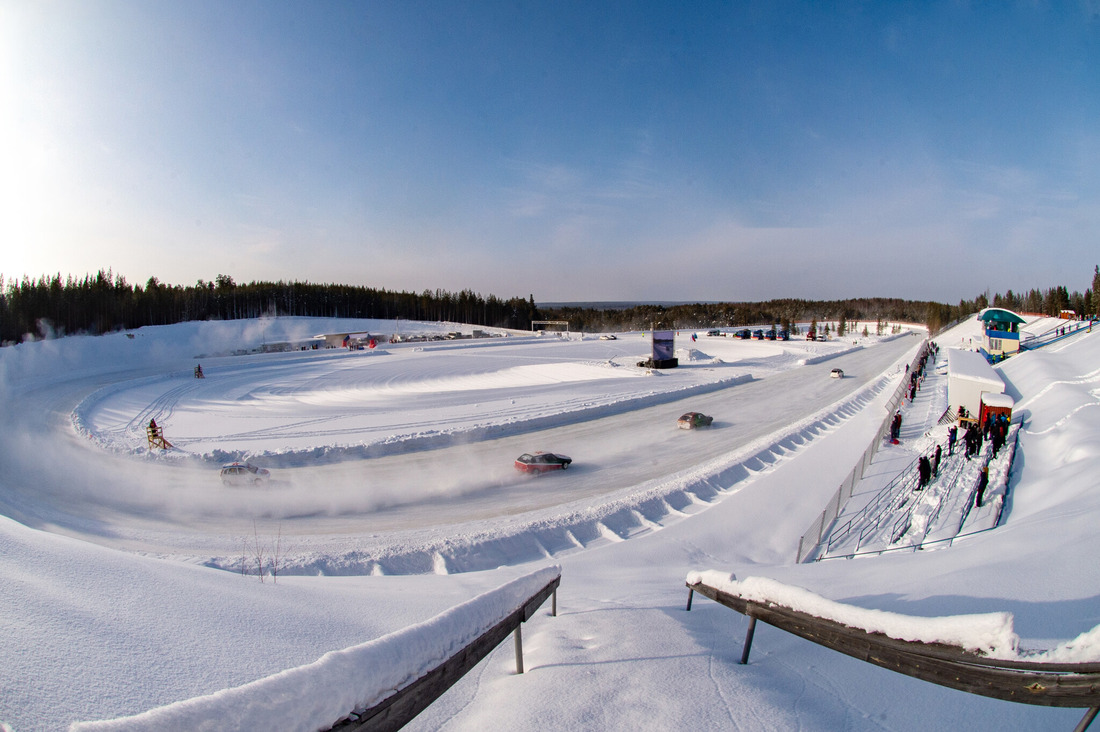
point(399, 459)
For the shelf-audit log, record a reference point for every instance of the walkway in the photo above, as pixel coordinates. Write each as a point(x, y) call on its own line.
point(886, 511)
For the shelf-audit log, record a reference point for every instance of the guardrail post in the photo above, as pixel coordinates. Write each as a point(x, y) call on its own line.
point(1084, 723)
point(554, 603)
point(519, 648)
point(748, 641)
point(691, 594)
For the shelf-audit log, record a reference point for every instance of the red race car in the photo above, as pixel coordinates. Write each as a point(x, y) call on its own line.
point(540, 462)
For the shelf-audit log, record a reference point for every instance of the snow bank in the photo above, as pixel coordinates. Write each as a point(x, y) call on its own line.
point(989, 634)
point(319, 694)
point(1085, 648)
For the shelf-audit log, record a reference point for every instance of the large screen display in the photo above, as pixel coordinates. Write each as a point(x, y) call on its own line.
point(664, 345)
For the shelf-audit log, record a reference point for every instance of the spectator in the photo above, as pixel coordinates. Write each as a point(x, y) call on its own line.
point(983, 482)
point(924, 472)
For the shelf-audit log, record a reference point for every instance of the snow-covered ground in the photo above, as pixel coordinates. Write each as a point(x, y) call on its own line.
point(127, 576)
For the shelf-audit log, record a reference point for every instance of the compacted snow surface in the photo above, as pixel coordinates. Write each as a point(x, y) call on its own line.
point(394, 526)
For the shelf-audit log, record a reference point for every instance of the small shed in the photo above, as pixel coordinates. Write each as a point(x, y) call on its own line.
point(995, 405)
point(1001, 332)
point(969, 376)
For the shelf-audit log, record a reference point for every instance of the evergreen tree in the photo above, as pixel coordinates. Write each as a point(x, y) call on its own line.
point(1096, 290)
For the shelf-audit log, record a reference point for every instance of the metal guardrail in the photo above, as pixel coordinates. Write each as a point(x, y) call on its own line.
point(1071, 685)
point(1071, 327)
point(400, 708)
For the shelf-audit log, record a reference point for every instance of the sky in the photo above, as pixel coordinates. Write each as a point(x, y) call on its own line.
point(568, 151)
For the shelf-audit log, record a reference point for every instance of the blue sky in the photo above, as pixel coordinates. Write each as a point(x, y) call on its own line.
point(566, 150)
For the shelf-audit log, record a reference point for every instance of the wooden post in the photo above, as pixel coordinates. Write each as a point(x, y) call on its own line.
point(519, 648)
point(691, 594)
point(748, 641)
point(554, 604)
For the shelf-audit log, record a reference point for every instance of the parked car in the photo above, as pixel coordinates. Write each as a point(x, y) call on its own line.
point(714, 333)
point(771, 335)
point(744, 334)
point(784, 335)
point(244, 474)
point(811, 336)
point(540, 462)
point(608, 337)
point(836, 374)
point(758, 335)
point(691, 420)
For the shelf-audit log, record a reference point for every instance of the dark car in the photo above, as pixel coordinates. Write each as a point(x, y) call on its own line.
point(784, 335)
point(758, 335)
point(744, 334)
point(771, 335)
point(244, 474)
point(691, 420)
point(540, 462)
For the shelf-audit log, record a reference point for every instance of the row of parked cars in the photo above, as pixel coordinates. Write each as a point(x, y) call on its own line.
point(762, 335)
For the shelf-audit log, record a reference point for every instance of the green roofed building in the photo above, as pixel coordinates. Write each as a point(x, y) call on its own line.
point(1002, 333)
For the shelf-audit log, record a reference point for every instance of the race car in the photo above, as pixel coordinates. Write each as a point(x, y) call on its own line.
point(244, 474)
point(541, 462)
point(691, 420)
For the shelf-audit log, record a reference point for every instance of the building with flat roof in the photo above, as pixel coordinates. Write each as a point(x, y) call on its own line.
point(1001, 333)
point(969, 379)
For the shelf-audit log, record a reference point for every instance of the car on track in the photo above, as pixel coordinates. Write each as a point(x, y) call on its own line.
point(608, 337)
point(692, 420)
point(244, 474)
point(837, 374)
point(541, 462)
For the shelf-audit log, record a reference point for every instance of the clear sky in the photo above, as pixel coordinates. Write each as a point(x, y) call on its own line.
point(566, 150)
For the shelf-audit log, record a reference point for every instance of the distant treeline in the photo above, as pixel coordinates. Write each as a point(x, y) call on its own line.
point(786, 312)
point(105, 302)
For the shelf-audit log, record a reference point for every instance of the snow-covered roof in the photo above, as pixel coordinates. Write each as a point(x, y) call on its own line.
point(999, 315)
point(972, 366)
point(1001, 401)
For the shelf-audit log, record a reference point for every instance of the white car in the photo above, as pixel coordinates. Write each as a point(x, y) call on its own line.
point(608, 337)
point(836, 374)
point(244, 474)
